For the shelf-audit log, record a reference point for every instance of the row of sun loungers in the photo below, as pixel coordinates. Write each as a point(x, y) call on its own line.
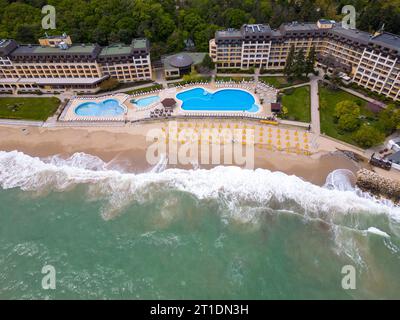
point(228, 115)
point(95, 119)
point(191, 84)
point(104, 97)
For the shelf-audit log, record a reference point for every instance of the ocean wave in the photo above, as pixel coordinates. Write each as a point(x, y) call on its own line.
point(235, 188)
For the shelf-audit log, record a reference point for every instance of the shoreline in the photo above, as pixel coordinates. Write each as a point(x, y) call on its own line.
point(126, 147)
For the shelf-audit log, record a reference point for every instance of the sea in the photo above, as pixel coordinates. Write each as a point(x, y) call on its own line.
point(220, 233)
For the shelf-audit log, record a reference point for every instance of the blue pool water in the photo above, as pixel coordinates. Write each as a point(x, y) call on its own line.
point(109, 107)
point(199, 99)
point(144, 102)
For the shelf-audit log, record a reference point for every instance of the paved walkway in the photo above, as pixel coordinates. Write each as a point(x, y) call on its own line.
point(360, 95)
point(6, 122)
point(315, 119)
point(296, 86)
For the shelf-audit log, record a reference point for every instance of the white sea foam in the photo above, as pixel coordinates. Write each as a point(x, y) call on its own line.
point(378, 232)
point(340, 179)
point(233, 187)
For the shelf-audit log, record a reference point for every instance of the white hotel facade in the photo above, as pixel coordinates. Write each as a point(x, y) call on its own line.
point(372, 61)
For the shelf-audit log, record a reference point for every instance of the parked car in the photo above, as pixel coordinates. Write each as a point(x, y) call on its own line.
point(394, 144)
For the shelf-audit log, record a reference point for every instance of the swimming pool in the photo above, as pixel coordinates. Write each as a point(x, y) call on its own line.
point(144, 102)
point(199, 99)
point(109, 107)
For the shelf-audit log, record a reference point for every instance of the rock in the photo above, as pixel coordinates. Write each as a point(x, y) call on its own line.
point(376, 184)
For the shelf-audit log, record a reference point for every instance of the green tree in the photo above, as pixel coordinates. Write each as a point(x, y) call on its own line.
point(349, 122)
point(368, 136)
point(346, 107)
point(235, 18)
point(389, 119)
point(347, 115)
point(26, 34)
point(310, 62)
point(335, 81)
point(284, 112)
point(175, 41)
point(207, 62)
point(299, 67)
point(289, 62)
point(191, 21)
point(109, 84)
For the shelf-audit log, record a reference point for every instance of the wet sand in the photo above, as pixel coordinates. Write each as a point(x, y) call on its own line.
point(126, 147)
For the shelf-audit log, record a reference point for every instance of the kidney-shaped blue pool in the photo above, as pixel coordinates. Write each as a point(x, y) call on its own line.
point(144, 102)
point(199, 99)
point(109, 107)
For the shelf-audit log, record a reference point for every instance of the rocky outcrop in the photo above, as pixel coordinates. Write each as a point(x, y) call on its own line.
point(376, 184)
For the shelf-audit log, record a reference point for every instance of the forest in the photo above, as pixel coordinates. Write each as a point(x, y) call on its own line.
point(168, 24)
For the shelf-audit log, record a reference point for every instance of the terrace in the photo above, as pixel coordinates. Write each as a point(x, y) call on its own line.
point(163, 103)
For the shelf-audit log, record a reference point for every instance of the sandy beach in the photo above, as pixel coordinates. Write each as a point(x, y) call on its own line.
point(127, 146)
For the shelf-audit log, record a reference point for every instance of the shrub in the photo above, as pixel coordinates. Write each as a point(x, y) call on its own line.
point(109, 84)
point(368, 136)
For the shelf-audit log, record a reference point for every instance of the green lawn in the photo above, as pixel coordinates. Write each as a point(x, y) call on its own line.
point(327, 101)
point(298, 103)
point(145, 89)
point(280, 82)
point(28, 108)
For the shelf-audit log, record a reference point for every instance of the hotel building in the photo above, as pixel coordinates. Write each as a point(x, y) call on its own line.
point(372, 61)
point(56, 65)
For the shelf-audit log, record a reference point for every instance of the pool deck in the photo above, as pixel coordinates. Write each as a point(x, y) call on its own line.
point(69, 111)
point(134, 114)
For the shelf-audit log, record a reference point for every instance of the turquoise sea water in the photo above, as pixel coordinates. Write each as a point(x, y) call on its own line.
point(224, 233)
point(109, 107)
point(198, 99)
